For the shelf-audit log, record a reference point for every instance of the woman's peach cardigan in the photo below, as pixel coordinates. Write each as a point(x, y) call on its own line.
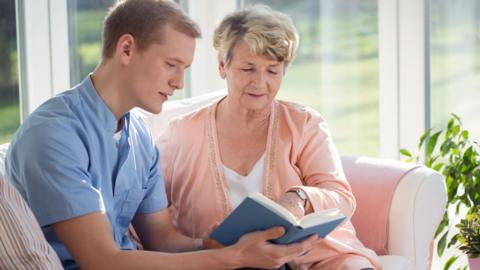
point(299, 152)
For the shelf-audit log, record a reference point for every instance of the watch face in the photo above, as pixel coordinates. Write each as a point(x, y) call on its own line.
point(302, 194)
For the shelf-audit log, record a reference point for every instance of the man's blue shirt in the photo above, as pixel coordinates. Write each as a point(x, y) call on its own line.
point(65, 162)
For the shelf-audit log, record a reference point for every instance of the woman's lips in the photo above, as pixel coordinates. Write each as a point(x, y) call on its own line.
point(256, 95)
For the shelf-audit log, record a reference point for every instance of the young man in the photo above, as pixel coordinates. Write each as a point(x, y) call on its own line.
point(88, 167)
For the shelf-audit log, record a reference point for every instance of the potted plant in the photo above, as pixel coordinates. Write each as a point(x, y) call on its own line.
point(469, 238)
point(451, 152)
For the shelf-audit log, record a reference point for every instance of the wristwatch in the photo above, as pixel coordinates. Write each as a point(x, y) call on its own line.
point(301, 194)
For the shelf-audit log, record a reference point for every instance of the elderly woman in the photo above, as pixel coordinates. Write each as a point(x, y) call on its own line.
point(249, 142)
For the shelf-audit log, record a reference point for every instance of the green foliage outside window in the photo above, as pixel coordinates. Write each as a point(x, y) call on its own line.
point(9, 95)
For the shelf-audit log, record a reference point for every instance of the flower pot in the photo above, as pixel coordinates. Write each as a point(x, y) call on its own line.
point(474, 263)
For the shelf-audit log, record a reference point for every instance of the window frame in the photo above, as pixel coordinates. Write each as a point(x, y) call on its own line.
point(404, 72)
point(43, 51)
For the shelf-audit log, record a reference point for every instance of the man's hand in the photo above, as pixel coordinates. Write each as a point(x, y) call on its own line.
point(209, 243)
point(254, 249)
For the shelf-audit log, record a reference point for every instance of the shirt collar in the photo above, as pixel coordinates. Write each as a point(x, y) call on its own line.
point(98, 107)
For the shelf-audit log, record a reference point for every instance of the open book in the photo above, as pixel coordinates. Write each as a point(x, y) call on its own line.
point(258, 212)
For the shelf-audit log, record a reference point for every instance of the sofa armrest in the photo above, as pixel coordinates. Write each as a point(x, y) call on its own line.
point(373, 182)
point(417, 207)
point(399, 206)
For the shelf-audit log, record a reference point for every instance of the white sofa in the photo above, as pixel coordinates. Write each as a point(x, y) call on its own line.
point(413, 213)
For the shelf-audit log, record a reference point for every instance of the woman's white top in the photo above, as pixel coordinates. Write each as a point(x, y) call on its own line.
point(241, 186)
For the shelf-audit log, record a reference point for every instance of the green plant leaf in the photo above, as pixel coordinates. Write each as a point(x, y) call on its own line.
point(442, 225)
point(431, 161)
point(423, 137)
point(450, 262)
point(406, 153)
point(455, 130)
point(453, 241)
point(450, 124)
point(432, 142)
point(465, 134)
point(438, 166)
point(446, 146)
point(457, 118)
point(467, 156)
point(441, 244)
point(457, 208)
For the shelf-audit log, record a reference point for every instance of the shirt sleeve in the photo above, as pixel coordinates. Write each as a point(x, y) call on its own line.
point(321, 168)
point(49, 165)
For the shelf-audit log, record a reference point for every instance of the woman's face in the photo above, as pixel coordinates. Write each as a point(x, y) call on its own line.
point(253, 81)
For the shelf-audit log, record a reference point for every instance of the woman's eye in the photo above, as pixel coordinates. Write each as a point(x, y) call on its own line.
point(247, 69)
point(273, 72)
point(170, 64)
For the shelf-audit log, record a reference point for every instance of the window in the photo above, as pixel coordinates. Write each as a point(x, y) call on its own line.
point(336, 69)
point(9, 90)
point(455, 62)
point(85, 31)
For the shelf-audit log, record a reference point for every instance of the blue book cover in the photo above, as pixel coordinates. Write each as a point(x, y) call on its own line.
point(257, 212)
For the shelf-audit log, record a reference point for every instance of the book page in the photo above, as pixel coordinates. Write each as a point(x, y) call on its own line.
point(275, 207)
point(320, 217)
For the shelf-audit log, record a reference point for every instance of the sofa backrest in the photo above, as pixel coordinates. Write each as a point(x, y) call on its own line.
point(157, 123)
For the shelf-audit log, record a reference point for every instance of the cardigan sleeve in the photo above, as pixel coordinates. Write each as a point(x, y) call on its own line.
point(321, 170)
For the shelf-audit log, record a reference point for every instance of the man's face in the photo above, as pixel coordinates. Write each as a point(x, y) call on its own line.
point(158, 71)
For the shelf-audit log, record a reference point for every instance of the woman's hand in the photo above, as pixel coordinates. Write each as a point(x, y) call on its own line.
point(292, 203)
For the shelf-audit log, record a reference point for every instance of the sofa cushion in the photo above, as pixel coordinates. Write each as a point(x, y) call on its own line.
point(23, 244)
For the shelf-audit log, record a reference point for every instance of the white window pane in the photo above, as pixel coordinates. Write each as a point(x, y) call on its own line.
point(9, 95)
point(455, 62)
point(85, 33)
point(336, 70)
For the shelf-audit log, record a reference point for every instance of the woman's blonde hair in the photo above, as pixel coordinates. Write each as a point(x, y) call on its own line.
point(267, 32)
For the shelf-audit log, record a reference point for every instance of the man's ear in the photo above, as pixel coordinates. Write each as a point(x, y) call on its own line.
point(125, 48)
point(221, 67)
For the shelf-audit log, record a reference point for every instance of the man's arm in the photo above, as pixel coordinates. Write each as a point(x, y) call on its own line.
point(89, 240)
point(157, 233)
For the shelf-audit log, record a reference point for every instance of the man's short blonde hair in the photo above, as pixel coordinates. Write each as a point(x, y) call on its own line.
point(267, 32)
point(145, 21)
